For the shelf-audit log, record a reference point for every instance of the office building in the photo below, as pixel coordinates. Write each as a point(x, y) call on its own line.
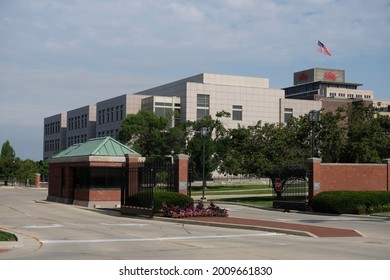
point(247, 99)
point(319, 83)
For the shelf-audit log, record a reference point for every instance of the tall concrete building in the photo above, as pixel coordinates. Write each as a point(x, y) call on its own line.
point(248, 99)
point(54, 134)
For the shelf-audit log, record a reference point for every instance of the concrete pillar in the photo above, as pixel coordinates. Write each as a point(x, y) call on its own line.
point(181, 180)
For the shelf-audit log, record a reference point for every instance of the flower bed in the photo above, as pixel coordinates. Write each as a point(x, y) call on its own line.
point(198, 211)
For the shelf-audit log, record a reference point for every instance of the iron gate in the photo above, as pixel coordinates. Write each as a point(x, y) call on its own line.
point(141, 182)
point(292, 195)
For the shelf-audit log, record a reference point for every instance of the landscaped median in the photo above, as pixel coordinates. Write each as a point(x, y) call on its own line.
point(6, 236)
point(200, 210)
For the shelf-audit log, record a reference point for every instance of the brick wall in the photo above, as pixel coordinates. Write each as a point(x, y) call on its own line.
point(343, 176)
point(98, 194)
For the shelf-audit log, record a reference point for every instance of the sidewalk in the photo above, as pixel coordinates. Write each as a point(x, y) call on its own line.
point(268, 225)
point(281, 227)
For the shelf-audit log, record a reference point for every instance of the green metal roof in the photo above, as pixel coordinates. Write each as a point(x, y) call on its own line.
point(103, 146)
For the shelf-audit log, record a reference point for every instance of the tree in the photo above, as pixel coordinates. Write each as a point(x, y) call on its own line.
point(27, 170)
point(269, 150)
point(332, 136)
point(231, 151)
point(368, 141)
point(151, 135)
point(7, 162)
point(215, 132)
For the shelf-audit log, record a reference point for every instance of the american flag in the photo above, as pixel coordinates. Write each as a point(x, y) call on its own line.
point(322, 48)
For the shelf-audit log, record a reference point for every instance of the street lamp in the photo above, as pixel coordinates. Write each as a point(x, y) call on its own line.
point(314, 118)
point(203, 134)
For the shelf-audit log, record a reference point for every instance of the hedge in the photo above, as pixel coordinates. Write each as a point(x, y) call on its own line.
point(351, 202)
point(160, 198)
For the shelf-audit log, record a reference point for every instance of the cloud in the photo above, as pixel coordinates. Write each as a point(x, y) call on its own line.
point(60, 55)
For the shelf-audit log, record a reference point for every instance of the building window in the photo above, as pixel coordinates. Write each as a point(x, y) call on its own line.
point(237, 113)
point(203, 106)
point(288, 114)
point(163, 112)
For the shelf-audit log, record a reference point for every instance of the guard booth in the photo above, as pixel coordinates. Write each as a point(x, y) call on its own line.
point(104, 173)
point(89, 174)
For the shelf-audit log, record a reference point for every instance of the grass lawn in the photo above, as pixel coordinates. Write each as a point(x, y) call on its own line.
point(264, 201)
point(233, 189)
point(384, 214)
point(6, 236)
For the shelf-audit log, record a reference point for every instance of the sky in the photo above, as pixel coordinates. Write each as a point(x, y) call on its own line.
point(56, 56)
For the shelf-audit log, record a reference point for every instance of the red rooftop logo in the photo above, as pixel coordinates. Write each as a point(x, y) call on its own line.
point(303, 77)
point(330, 75)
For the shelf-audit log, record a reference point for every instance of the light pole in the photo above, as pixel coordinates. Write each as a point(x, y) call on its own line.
point(314, 118)
point(203, 134)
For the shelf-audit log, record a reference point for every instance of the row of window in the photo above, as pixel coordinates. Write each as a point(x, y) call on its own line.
point(111, 114)
point(111, 133)
point(78, 122)
point(52, 145)
point(77, 139)
point(350, 95)
point(52, 128)
point(314, 87)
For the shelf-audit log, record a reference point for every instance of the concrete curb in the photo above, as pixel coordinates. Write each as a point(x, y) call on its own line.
point(236, 226)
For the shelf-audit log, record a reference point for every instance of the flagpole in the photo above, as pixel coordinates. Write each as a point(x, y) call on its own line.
point(317, 55)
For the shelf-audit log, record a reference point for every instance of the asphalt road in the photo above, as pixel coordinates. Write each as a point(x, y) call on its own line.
point(54, 231)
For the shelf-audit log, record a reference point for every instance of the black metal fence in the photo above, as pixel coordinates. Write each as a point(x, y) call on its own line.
point(146, 179)
point(293, 196)
point(294, 189)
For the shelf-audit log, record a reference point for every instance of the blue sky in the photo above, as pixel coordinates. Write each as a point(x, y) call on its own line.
point(56, 56)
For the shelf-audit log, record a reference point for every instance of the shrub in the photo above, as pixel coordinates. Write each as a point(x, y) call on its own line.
point(171, 199)
point(351, 202)
point(159, 198)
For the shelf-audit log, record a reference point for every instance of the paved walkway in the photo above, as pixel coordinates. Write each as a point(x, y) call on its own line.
point(289, 228)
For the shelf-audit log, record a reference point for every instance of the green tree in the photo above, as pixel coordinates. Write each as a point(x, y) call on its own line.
point(368, 140)
point(269, 150)
point(233, 150)
point(215, 132)
point(26, 171)
point(332, 136)
point(7, 162)
point(151, 135)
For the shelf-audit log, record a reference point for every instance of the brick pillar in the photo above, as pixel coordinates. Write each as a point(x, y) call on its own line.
point(387, 162)
point(314, 167)
point(181, 180)
point(37, 180)
point(69, 193)
point(132, 162)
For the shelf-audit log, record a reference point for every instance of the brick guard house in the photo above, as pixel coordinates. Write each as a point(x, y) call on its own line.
point(92, 174)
